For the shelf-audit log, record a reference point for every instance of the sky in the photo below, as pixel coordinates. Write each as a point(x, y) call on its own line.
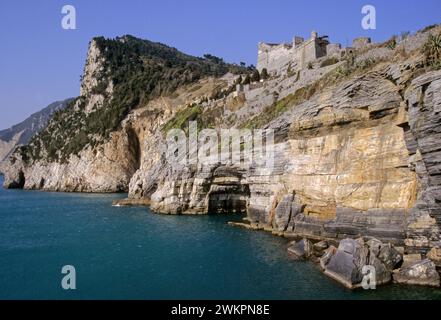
point(40, 62)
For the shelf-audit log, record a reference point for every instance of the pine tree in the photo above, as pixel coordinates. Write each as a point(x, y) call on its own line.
point(255, 76)
point(247, 80)
point(264, 74)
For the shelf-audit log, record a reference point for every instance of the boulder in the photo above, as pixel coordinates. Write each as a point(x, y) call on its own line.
point(384, 258)
point(435, 255)
point(409, 259)
point(390, 256)
point(418, 273)
point(283, 213)
point(382, 274)
point(320, 247)
point(301, 249)
point(346, 264)
point(329, 252)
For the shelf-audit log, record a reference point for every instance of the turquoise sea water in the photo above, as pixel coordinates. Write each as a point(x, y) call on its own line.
point(130, 253)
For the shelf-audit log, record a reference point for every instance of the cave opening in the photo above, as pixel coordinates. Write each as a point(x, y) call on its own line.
point(21, 180)
point(134, 148)
point(229, 200)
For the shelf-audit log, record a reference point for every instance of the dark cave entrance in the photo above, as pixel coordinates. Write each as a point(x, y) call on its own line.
point(229, 199)
point(21, 180)
point(134, 147)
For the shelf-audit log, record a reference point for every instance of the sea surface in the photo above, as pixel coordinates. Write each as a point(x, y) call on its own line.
point(131, 253)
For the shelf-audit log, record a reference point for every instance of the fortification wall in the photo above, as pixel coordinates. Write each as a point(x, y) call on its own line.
point(274, 57)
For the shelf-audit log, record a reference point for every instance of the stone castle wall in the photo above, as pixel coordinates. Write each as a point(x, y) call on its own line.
point(276, 57)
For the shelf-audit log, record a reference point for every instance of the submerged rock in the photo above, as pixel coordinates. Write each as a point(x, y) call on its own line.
point(301, 249)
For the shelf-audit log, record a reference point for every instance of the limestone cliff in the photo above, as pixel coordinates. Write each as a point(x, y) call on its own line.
point(357, 140)
point(356, 153)
point(128, 88)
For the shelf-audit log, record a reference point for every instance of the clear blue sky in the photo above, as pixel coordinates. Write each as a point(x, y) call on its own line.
point(40, 62)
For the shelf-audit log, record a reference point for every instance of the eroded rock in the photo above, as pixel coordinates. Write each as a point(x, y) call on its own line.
point(418, 273)
point(302, 249)
point(435, 255)
point(346, 263)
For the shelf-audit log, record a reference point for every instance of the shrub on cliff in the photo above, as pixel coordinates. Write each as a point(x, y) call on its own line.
point(255, 76)
point(140, 70)
point(264, 74)
point(247, 79)
point(432, 51)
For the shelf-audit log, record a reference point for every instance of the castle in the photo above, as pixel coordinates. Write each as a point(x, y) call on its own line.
point(298, 54)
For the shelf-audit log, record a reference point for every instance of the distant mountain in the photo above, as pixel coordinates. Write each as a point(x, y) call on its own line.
point(22, 133)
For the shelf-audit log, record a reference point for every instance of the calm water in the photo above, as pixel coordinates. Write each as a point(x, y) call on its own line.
point(130, 253)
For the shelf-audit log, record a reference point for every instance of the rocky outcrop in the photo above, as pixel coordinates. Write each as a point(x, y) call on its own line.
point(422, 139)
point(350, 263)
point(356, 154)
point(343, 169)
point(107, 168)
point(129, 158)
point(418, 273)
point(21, 133)
point(358, 158)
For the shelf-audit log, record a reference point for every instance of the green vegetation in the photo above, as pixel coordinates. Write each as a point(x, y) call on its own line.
point(280, 107)
point(391, 43)
point(264, 74)
point(405, 35)
point(432, 51)
point(139, 70)
point(255, 76)
point(247, 79)
point(348, 69)
point(181, 118)
point(428, 28)
point(193, 112)
point(290, 71)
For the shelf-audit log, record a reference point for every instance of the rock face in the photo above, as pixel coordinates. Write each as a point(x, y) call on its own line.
point(345, 166)
point(108, 163)
point(104, 169)
point(422, 134)
point(358, 158)
point(356, 153)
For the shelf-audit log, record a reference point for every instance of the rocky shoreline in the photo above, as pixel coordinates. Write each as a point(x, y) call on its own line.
point(356, 150)
point(131, 203)
point(343, 260)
